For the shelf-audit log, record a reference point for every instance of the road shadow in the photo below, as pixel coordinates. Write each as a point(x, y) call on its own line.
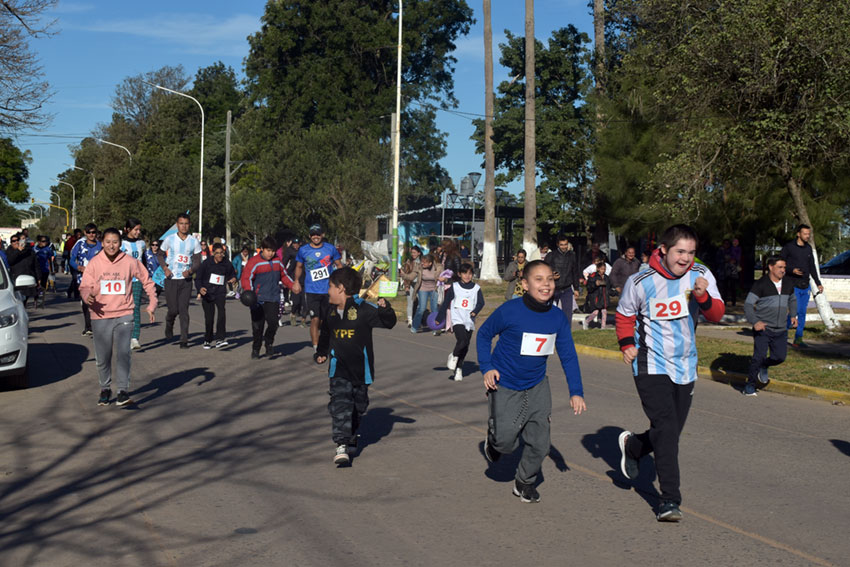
point(841, 445)
point(604, 444)
point(43, 328)
point(504, 470)
point(165, 384)
point(50, 363)
point(376, 424)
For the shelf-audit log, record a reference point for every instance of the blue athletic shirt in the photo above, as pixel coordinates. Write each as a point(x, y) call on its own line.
point(523, 330)
point(318, 265)
point(43, 254)
point(134, 249)
point(178, 253)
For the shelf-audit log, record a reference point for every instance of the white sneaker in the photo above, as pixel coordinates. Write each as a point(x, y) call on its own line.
point(451, 363)
point(458, 375)
point(231, 294)
point(341, 456)
point(280, 322)
point(584, 324)
point(135, 344)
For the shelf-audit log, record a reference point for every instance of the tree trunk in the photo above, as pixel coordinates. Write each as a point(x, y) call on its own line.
point(489, 256)
point(529, 235)
point(802, 213)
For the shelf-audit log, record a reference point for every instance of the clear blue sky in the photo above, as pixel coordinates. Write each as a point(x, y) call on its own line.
point(100, 43)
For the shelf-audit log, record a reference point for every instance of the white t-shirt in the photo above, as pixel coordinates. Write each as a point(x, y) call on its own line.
point(179, 252)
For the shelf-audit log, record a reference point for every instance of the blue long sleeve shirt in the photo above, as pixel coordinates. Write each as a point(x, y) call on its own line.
point(526, 337)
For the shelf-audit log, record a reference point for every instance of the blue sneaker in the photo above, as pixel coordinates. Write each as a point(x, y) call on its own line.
point(628, 466)
point(750, 389)
point(763, 378)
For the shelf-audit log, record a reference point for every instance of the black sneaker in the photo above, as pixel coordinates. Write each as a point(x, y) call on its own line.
point(169, 333)
point(222, 343)
point(255, 354)
point(668, 512)
point(526, 492)
point(123, 398)
point(269, 351)
point(491, 454)
point(628, 466)
point(86, 333)
point(104, 397)
point(207, 345)
point(341, 457)
point(184, 345)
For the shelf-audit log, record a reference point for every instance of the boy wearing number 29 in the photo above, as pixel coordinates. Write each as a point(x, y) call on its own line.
point(519, 399)
point(107, 290)
point(656, 328)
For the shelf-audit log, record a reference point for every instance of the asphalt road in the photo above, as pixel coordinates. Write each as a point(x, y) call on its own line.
point(225, 461)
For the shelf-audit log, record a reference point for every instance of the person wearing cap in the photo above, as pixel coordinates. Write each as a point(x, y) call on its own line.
point(317, 261)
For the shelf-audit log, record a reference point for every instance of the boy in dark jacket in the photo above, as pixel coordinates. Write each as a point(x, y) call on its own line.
point(598, 290)
point(212, 276)
point(768, 304)
point(346, 338)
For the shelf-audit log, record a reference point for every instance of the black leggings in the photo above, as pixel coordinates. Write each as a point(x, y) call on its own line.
point(462, 338)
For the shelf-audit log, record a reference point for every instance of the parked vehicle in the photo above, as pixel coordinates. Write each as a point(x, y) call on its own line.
point(14, 329)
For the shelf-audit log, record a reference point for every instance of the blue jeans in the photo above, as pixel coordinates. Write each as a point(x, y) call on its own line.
point(802, 296)
point(424, 298)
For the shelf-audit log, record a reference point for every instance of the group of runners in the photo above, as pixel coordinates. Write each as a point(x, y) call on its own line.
point(656, 323)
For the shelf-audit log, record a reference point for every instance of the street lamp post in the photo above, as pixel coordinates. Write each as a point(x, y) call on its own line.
point(396, 153)
point(73, 202)
point(117, 146)
point(58, 196)
point(201, 195)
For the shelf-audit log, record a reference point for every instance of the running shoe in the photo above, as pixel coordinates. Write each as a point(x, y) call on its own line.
point(135, 344)
point(491, 454)
point(184, 345)
point(221, 343)
point(123, 398)
point(169, 332)
point(231, 294)
point(341, 456)
point(526, 492)
point(750, 390)
point(763, 377)
point(104, 397)
point(458, 377)
point(668, 512)
point(269, 351)
point(86, 333)
point(628, 466)
point(451, 363)
point(207, 345)
point(255, 354)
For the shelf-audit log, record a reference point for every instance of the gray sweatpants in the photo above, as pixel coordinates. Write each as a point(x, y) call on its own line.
point(515, 413)
point(109, 332)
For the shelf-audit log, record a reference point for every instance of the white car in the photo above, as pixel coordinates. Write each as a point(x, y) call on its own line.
point(14, 329)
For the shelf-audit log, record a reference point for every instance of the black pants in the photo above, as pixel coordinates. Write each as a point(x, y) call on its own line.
point(666, 404)
point(348, 402)
point(264, 313)
point(178, 293)
point(210, 307)
point(462, 338)
point(297, 308)
point(86, 316)
point(776, 342)
point(74, 287)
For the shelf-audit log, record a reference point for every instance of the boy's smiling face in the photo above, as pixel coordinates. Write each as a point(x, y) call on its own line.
point(679, 257)
point(540, 283)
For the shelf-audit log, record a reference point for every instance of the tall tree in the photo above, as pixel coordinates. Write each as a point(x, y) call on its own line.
point(23, 90)
point(489, 258)
point(529, 235)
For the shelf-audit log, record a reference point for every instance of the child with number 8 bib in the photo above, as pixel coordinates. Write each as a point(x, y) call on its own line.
point(520, 402)
point(106, 288)
point(463, 300)
point(656, 329)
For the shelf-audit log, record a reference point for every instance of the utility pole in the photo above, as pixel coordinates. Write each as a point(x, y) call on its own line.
point(227, 233)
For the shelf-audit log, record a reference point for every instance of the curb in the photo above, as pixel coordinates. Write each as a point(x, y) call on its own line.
point(778, 386)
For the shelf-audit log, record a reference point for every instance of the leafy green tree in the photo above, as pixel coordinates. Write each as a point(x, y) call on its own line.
point(14, 171)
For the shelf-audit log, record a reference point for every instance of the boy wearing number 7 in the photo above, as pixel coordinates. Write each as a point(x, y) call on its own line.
point(106, 288)
point(519, 400)
point(656, 329)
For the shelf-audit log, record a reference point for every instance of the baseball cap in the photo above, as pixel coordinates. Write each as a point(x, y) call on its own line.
point(316, 229)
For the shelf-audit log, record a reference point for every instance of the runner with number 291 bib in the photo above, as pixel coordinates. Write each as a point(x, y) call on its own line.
point(318, 260)
point(520, 402)
point(656, 328)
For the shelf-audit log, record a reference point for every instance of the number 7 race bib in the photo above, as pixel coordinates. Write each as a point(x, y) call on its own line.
point(668, 309)
point(537, 345)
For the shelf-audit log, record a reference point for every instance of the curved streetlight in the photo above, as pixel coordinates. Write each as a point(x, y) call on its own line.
point(73, 201)
point(201, 195)
point(117, 146)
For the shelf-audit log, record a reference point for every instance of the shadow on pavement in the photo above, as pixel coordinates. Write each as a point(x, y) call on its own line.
point(170, 382)
point(604, 445)
point(49, 363)
point(841, 445)
point(729, 362)
point(376, 424)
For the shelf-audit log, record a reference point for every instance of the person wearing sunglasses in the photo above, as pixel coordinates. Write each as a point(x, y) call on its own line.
point(84, 250)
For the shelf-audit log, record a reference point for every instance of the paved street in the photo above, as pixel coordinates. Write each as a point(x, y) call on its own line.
point(225, 461)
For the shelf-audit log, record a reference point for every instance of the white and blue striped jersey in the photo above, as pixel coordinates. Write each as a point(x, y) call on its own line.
point(665, 321)
point(134, 250)
point(178, 253)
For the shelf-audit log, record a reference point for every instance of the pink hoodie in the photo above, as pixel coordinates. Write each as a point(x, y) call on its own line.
point(111, 283)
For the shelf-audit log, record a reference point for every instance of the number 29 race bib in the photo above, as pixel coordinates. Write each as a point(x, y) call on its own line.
point(668, 309)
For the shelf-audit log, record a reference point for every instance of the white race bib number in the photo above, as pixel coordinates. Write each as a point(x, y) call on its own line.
point(537, 345)
point(465, 303)
point(668, 309)
point(112, 287)
point(319, 274)
point(216, 279)
point(182, 259)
